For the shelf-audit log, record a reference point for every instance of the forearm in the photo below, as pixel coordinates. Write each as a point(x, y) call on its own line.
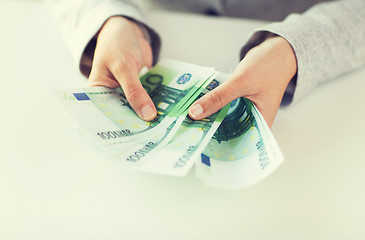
point(80, 21)
point(328, 40)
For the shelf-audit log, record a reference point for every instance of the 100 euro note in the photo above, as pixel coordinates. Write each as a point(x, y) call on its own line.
point(243, 150)
point(144, 148)
point(180, 154)
point(106, 117)
point(173, 150)
point(192, 136)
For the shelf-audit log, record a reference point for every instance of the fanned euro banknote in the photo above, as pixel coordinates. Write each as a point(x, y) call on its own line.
point(243, 150)
point(105, 115)
point(233, 148)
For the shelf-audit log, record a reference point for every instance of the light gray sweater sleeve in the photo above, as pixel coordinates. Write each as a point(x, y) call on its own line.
point(328, 40)
point(80, 21)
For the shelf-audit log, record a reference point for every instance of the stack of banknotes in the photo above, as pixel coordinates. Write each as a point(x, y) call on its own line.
point(232, 148)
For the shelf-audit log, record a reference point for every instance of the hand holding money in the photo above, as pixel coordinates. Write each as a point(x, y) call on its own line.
point(120, 53)
point(233, 141)
point(262, 77)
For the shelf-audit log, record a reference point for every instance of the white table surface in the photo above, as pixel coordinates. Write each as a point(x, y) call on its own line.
point(53, 187)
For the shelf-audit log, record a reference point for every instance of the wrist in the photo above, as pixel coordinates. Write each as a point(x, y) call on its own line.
point(285, 55)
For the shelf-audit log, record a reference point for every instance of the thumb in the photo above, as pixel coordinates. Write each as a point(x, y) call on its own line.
point(214, 100)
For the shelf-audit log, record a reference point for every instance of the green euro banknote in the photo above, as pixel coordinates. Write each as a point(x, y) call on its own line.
point(192, 136)
point(105, 115)
point(181, 143)
point(143, 148)
point(181, 153)
point(234, 147)
point(136, 155)
point(242, 152)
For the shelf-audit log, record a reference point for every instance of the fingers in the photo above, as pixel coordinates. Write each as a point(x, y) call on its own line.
point(215, 100)
point(126, 77)
point(125, 74)
point(120, 54)
point(101, 77)
point(147, 55)
point(140, 101)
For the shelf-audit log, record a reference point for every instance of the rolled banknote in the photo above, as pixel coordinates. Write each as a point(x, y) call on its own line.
point(242, 152)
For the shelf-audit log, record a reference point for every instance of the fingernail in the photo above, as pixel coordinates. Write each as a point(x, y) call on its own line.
point(196, 111)
point(147, 112)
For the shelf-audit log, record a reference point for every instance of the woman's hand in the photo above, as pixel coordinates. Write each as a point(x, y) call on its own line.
point(121, 51)
point(262, 77)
